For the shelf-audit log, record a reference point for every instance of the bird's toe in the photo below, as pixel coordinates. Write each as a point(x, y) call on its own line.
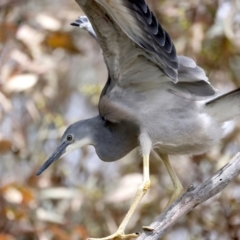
point(118, 236)
point(147, 228)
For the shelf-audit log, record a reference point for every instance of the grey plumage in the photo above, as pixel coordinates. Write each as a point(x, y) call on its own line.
point(139, 24)
point(153, 99)
point(144, 96)
point(225, 107)
point(84, 23)
point(192, 80)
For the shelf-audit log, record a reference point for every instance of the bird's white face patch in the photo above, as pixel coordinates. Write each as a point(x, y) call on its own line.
point(76, 145)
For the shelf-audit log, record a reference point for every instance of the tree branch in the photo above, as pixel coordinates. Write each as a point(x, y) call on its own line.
point(193, 197)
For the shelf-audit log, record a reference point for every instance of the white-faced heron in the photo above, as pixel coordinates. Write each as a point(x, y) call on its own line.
point(153, 99)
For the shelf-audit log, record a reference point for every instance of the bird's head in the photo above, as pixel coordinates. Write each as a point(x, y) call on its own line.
point(76, 136)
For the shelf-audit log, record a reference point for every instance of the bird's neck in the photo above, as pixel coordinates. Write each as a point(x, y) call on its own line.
point(113, 141)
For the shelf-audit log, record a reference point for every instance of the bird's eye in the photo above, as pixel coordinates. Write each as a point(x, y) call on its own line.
point(69, 138)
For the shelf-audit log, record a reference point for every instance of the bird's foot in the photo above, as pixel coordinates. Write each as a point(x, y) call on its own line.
point(118, 236)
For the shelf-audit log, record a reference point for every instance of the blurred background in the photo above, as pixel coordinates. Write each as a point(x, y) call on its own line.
point(51, 74)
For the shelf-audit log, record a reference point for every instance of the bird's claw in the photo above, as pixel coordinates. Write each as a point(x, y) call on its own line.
point(147, 228)
point(117, 236)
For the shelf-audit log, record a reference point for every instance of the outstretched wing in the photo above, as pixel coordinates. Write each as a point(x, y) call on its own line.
point(129, 34)
point(192, 80)
point(139, 23)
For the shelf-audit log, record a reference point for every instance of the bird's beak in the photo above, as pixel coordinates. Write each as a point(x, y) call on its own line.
point(55, 156)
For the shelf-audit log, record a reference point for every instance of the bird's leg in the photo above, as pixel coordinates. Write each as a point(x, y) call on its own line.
point(178, 188)
point(139, 195)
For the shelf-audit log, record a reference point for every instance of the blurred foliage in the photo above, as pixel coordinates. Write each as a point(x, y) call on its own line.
point(51, 74)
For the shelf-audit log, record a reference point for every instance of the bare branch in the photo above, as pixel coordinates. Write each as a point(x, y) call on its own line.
point(193, 197)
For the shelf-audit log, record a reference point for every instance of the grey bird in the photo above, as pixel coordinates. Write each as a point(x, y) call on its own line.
point(153, 100)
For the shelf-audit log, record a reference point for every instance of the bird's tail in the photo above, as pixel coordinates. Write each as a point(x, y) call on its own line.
point(224, 107)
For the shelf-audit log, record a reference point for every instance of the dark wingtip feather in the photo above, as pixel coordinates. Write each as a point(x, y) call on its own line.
point(173, 74)
point(160, 41)
point(74, 24)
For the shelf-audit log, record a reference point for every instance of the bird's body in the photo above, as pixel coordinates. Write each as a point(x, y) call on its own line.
point(142, 89)
point(153, 100)
point(182, 127)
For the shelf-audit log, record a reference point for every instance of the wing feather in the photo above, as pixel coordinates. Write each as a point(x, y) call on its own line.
point(136, 67)
point(140, 24)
